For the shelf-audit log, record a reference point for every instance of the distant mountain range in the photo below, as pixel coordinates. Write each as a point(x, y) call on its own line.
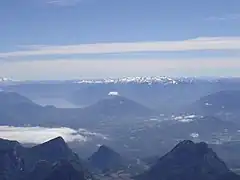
point(136, 80)
point(154, 92)
point(18, 110)
point(130, 79)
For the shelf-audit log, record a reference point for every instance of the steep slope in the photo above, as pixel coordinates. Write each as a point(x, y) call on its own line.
point(39, 162)
point(12, 98)
point(11, 165)
point(118, 106)
point(16, 109)
point(188, 161)
point(40, 171)
point(223, 101)
point(106, 159)
point(229, 176)
point(207, 128)
point(229, 152)
point(51, 151)
point(87, 95)
point(67, 170)
point(7, 145)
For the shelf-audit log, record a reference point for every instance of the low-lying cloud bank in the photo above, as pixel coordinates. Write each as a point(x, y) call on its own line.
point(37, 135)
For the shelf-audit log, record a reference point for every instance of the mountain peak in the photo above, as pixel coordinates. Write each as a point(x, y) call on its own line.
point(113, 93)
point(120, 106)
point(188, 144)
point(37, 162)
point(9, 145)
point(187, 161)
point(106, 158)
point(106, 152)
point(57, 144)
point(59, 141)
point(53, 150)
point(13, 98)
point(105, 149)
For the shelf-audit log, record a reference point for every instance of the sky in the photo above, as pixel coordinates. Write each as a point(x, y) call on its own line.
point(69, 39)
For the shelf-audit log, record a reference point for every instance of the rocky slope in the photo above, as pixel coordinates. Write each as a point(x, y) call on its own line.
point(188, 161)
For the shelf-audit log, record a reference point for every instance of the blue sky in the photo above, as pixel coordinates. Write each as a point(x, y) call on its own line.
point(64, 39)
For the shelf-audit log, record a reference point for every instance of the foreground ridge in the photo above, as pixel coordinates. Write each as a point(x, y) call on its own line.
point(188, 161)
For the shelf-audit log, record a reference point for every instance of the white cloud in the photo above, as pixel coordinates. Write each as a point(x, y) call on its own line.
point(87, 133)
point(201, 43)
point(225, 17)
point(39, 135)
point(63, 2)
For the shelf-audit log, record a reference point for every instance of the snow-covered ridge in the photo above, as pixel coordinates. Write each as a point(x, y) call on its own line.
point(124, 80)
point(3, 79)
point(137, 80)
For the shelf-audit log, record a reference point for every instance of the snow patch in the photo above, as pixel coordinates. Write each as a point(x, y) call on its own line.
point(114, 93)
point(208, 104)
point(194, 135)
point(184, 119)
point(137, 80)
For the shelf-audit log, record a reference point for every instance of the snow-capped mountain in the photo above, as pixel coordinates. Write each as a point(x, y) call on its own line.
point(137, 80)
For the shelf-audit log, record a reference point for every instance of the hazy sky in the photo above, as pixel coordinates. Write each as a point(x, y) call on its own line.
point(64, 39)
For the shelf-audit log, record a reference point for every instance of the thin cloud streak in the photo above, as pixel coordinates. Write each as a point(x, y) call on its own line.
point(198, 44)
point(225, 17)
point(64, 2)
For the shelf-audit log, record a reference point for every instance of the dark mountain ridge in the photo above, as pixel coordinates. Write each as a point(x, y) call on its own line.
point(188, 161)
point(106, 159)
point(51, 151)
point(51, 160)
point(67, 170)
point(17, 110)
point(222, 101)
point(119, 106)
